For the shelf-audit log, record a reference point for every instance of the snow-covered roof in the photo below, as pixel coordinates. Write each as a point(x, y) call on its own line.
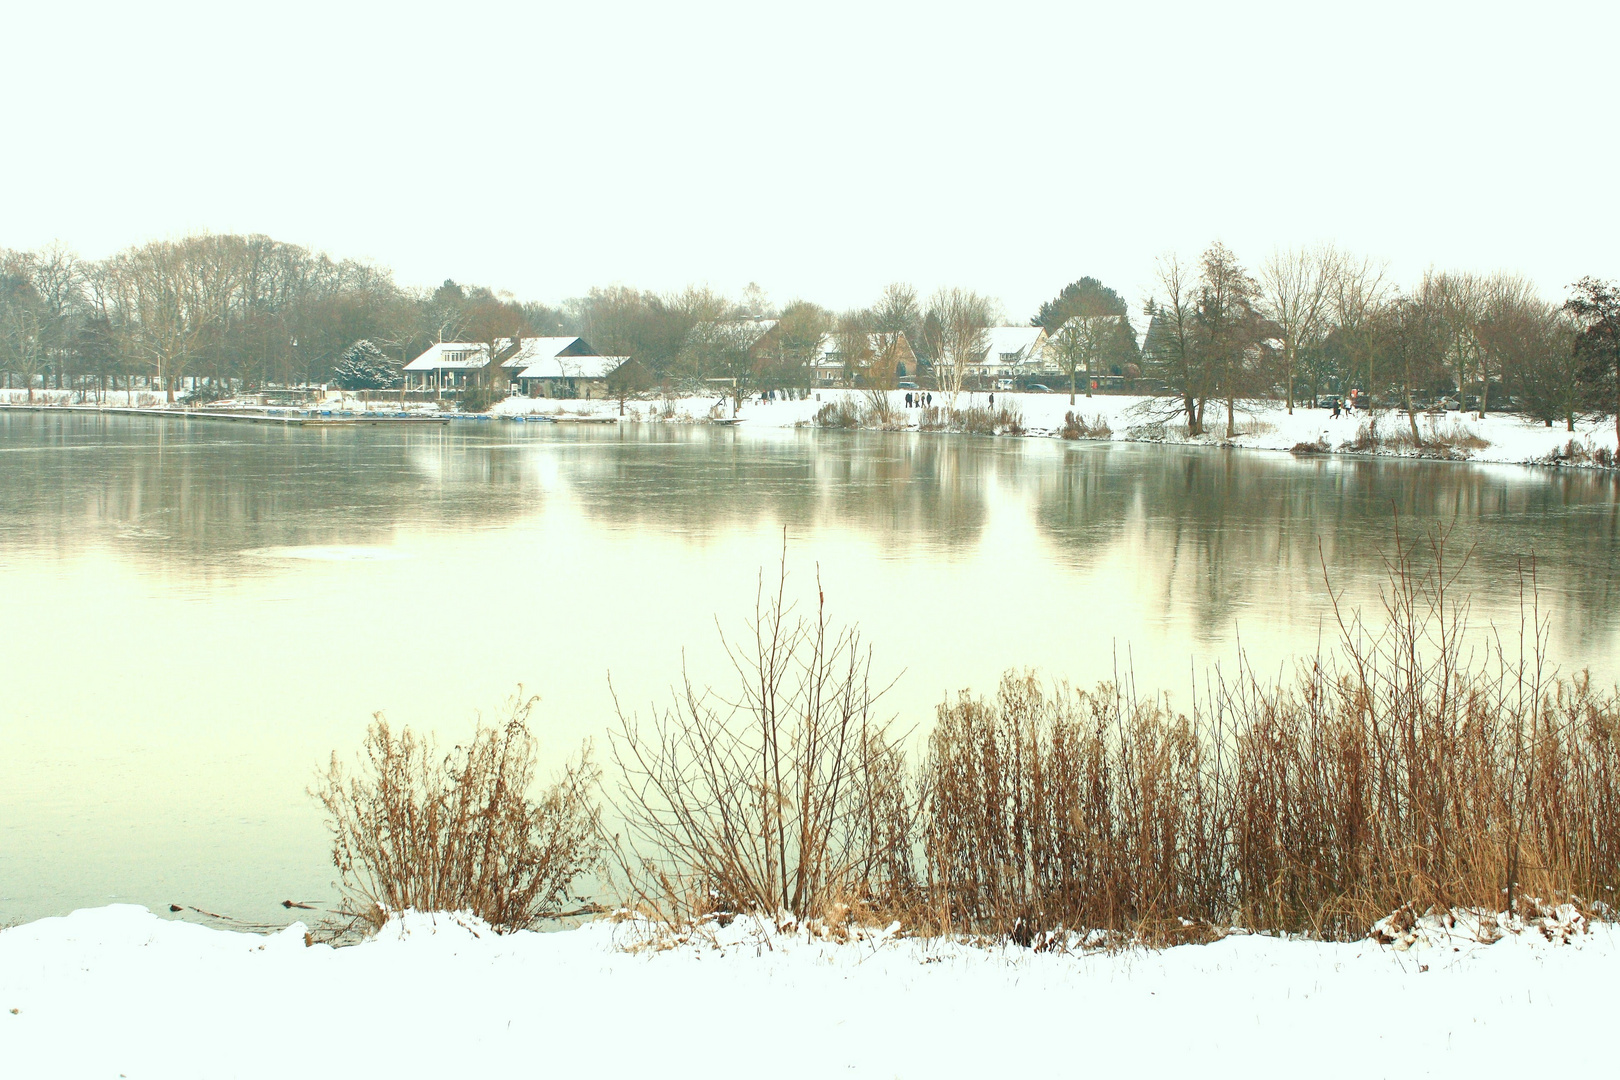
point(1074, 319)
point(451, 355)
point(1013, 344)
point(458, 355)
point(827, 348)
point(761, 326)
point(573, 367)
point(533, 350)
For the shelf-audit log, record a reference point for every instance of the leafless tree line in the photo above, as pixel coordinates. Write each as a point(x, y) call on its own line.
point(243, 311)
point(1320, 318)
point(244, 308)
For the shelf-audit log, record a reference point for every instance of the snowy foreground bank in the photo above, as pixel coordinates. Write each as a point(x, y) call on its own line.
point(118, 991)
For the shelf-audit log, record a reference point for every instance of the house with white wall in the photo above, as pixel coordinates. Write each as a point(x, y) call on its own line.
point(1010, 351)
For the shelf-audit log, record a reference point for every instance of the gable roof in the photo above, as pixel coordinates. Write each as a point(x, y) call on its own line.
point(1017, 344)
point(828, 351)
point(451, 355)
point(573, 367)
point(532, 351)
point(461, 355)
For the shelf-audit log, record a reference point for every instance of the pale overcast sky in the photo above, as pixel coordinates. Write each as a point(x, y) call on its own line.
point(821, 149)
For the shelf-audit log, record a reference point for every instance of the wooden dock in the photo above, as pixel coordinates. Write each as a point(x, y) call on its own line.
point(306, 418)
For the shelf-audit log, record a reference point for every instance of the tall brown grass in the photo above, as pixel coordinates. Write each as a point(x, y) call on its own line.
point(973, 420)
point(1401, 771)
point(412, 828)
point(1403, 768)
point(1409, 767)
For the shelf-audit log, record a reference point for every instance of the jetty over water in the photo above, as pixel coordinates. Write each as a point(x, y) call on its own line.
point(298, 418)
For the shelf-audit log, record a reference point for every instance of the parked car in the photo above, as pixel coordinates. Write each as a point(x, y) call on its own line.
point(1038, 388)
point(906, 384)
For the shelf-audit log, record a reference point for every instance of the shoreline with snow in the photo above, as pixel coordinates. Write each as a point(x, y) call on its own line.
point(1508, 438)
point(120, 991)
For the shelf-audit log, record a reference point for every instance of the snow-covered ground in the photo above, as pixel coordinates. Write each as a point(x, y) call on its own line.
point(1510, 438)
point(138, 399)
point(117, 991)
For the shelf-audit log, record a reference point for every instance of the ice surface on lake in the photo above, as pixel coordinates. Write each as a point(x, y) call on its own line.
point(327, 553)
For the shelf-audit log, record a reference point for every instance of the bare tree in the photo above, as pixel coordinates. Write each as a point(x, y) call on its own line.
point(1460, 302)
point(1408, 332)
point(727, 349)
point(1546, 373)
point(22, 351)
point(169, 312)
point(1296, 287)
point(1359, 292)
point(1228, 327)
point(1171, 347)
point(1511, 329)
point(794, 345)
point(1080, 345)
point(853, 342)
point(897, 314)
point(960, 321)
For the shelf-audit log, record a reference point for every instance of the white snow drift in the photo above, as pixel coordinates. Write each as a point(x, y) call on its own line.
point(118, 991)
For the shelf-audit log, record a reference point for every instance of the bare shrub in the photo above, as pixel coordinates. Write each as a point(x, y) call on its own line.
point(879, 411)
point(458, 832)
point(478, 399)
point(1456, 436)
point(1366, 437)
point(1452, 440)
point(1573, 452)
point(1306, 449)
point(787, 795)
point(842, 413)
point(1076, 426)
point(1579, 452)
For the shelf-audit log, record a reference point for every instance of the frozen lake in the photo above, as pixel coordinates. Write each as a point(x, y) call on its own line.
point(194, 616)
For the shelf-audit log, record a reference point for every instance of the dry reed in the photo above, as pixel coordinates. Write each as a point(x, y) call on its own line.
point(1400, 772)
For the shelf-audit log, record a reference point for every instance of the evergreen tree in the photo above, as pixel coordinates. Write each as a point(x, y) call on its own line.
point(363, 366)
